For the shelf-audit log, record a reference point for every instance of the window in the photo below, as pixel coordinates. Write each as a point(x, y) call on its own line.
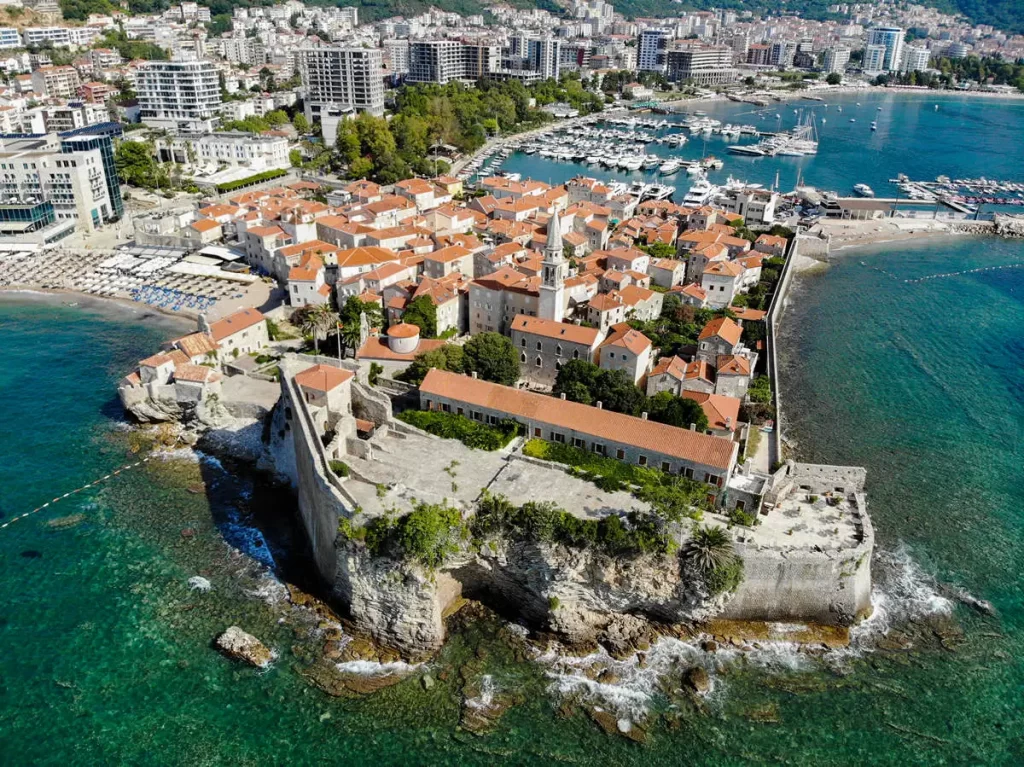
point(688, 473)
point(642, 460)
point(575, 354)
point(620, 454)
point(523, 343)
point(597, 447)
point(558, 350)
point(666, 466)
point(446, 407)
point(460, 411)
point(558, 366)
point(538, 346)
point(556, 437)
point(538, 361)
point(611, 355)
point(580, 443)
point(740, 505)
point(709, 478)
point(536, 432)
point(522, 357)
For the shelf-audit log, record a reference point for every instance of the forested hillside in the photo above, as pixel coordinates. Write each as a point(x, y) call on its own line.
point(1003, 14)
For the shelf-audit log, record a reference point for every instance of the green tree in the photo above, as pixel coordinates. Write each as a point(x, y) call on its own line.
point(492, 357)
point(295, 157)
point(666, 407)
point(448, 357)
point(659, 250)
point(300, 123)
point(135, 164)
point(834, 78)
point(422, 313)
point(576, 380)
point(277, 118)
point(349, 317)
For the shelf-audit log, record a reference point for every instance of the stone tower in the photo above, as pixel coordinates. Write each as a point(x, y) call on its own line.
point(552, 285)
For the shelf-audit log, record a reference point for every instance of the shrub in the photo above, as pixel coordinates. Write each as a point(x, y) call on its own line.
point(375, 371)
point(637, 533)
point(740, 517)
point(427, 535)
point(230, 186)
point(339, 467)
point(468, 432)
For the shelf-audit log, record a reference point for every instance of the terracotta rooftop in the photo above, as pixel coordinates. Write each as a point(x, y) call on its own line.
point(235, 323)
point(724, 328)
point(723, 412)
point(683, 444)
point(565, 331)
point(323, 378)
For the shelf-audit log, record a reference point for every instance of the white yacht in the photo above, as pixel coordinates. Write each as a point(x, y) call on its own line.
point(670, 167)
point(700, 193)
point(864, 190)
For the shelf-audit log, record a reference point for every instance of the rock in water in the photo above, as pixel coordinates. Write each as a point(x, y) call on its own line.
point(199, 583)
point(239, 645)
point(697, 679)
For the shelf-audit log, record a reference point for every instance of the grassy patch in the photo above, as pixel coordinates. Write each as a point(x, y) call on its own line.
point(673, 497)
point(467, 431)
point(339, 467)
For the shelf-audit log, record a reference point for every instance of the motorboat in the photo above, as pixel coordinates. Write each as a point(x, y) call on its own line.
point(864, 190)
point(670, 167)
point(874, 126)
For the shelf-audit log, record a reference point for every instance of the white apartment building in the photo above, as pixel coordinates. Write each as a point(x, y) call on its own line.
point(891, 38)
point(182, 96)
point(75, 114)
point(442, 61)
point(9, 38)
point(700, 64)
point(915, 58)
point(56, 82)
point(874, 58)
point(544, 56)
point(397, 52)
point(47, 186)
point(232, 148)
point(836, 60)
point(652, 47)
point(339, 81)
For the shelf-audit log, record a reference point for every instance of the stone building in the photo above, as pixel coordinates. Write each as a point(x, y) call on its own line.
point(545, 345)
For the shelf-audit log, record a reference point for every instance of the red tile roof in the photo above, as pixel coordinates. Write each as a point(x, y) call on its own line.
point(683, 444)
point(235, 323)
point(323, 378)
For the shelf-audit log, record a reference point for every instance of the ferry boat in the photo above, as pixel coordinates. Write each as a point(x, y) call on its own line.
point(864, 190)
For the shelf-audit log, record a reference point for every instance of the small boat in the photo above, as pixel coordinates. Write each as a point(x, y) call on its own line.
point(936, 107)
point(864, 190)
point(853, 119)
point(874, 126)
point(879, 109)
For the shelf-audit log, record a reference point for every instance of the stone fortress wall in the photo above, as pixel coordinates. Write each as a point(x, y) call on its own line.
point(579, 593)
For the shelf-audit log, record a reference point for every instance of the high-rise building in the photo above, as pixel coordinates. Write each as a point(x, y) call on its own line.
point(442, 61)
point(700, 64)
point(652, 47)
point(348, 78)
point(52, 185)
point(543, 55)
point(398, 55)
point(836, 60)
point(874, 58)
point(915, 58)
point(891, 38)
point(56, 82)
point(182, 96)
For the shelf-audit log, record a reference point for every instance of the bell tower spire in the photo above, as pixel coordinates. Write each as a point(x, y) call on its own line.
point(555, 268)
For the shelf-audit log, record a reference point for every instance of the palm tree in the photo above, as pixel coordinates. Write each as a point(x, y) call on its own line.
point(710, 548)
point(326, 319)
point(308, 325)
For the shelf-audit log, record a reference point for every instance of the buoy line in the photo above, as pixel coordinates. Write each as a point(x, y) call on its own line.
point(70, 493)
point(967, 271)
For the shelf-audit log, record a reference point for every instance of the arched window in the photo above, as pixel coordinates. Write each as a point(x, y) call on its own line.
point(575, 354)
point(558, 350)
point(558, 366)
point(523, 343)
point(522, 357)
point(538, 346)
point(537, 362)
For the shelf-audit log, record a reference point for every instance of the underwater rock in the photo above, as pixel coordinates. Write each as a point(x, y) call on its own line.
point(239, 645)
point(68, 521)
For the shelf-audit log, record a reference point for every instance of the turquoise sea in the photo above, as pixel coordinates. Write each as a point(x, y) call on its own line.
point(963, 138)
point(105, 653)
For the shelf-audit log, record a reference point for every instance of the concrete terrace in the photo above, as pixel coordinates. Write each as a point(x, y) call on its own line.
point(418, 467)
point(798, 523)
